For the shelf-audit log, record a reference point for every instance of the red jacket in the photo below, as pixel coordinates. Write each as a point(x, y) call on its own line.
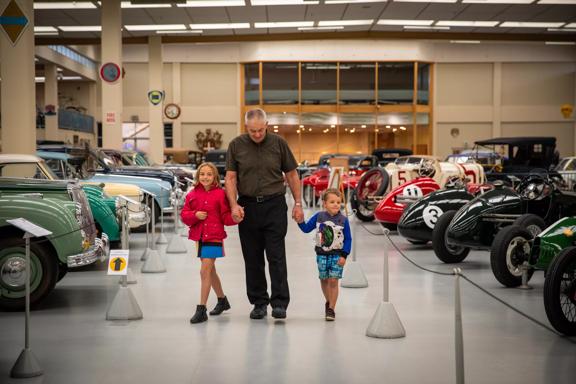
point(215, 204)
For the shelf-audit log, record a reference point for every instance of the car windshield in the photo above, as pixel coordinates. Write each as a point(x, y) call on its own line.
point(567, 164)
point(27, 170)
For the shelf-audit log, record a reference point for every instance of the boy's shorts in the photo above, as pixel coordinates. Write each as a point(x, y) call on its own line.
point(328, 267)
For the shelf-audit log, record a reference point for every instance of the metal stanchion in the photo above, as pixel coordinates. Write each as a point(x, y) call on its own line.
point(525, 269)
point(125, 240)
point(176, 244)
point(459, 339)
point(124, 306)
point(153, 263)
point(162, 238)
point(354, 276)
point(27, 364)
point(385, 323)
point(148, 219)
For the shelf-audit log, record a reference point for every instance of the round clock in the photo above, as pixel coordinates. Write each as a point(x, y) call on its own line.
point(172, 111)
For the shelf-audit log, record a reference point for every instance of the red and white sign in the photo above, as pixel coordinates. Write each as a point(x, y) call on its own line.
point(110, 117)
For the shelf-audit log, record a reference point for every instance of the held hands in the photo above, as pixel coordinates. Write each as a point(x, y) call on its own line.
point(201, 215)
point(298, 214)
point(341, 261)
point(237, 213)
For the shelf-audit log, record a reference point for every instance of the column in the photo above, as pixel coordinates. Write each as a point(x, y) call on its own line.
point(156, 149)
point(111, 40)
point(51, 98)
point(177, 99)
point(18, 98)
point(92, 107)
point(497, 101)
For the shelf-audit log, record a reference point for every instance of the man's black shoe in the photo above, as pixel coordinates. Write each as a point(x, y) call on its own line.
point(279, 313)
point(259, 312)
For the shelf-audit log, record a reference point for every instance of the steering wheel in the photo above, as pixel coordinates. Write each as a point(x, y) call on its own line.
point(535, 187)
point(427, 169)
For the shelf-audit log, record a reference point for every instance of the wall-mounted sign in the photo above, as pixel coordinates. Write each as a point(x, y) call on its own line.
point(172, 111)
point(13, 21)
point(110, 72)
point(155, 97)
point(118, 262)
point(110, 117)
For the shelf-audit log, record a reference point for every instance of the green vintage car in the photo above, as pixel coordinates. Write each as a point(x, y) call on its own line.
point(60, 207)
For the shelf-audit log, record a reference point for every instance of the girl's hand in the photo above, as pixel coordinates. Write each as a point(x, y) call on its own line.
point(201, 215)
point(341, 261)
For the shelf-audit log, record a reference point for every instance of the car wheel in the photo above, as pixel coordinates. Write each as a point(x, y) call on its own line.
point(560, 292)
point(372, 183)
point(446, 253)
point(362, 212)
point(44, 273)
point(534, 224)
point(62, 271)
point(511, 248)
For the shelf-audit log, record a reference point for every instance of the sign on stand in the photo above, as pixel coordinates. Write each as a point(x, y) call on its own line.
point(118, 262)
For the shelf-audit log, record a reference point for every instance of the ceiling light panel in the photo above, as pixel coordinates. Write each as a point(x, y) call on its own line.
point(529, 24)
point(156, 27)
point(321, 28)
point(213, 3)
point(285, 24)
point(127, 4)
point(353, 1)
point(80, 28)
point(458, 23)
point(425, 1)
point(465, 41)
point(332, 23)
point(562, 29)
point(557, 2)
point(404, 22)
point(571, 25)
point(425, 27)
point(220, 26)
point(560, 43)
point(498, 1)
point(65, 5)
point(187, 31)
point(38, 28)
point(284, 2)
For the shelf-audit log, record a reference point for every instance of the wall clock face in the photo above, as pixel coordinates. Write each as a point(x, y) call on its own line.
point(172, 111)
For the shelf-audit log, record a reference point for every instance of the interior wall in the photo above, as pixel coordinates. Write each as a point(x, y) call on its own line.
point(316, 144)
point(564, 133)
point(464, 137)
point(190, 130)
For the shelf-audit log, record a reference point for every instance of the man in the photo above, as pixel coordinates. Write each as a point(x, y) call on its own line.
point(255, 188)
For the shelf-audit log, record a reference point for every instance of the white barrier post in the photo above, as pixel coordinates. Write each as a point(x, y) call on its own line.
point(148, 219)
point(385, 323)
point(125, 240)
point(124, 306)
point(458, 339)
point(153, 263)
point(176, 244)
point(525, 268)
point(162, 238)
point(27, 365)
point(354, 276)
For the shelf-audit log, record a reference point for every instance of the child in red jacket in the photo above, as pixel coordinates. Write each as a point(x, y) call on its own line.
point(206, 211)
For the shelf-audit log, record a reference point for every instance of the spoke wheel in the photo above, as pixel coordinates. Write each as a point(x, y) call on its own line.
point(560, 292)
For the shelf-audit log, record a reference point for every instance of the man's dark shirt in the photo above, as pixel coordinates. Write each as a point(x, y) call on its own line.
point(259, 166)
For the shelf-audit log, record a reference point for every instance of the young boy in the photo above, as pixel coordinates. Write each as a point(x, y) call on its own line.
point(333, 242)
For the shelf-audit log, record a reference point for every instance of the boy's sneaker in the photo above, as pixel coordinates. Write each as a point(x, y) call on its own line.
point(330, 314)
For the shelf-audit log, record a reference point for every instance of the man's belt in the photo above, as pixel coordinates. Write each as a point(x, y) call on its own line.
point(259, 199)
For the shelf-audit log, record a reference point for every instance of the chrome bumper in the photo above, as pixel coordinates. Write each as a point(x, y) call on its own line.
point(104, 244)
point(136, 219)
point(87, 257)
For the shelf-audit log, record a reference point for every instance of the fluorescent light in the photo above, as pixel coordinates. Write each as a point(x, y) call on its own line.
point(44, 29)
point(465, 41)
point(561, 29)
point(179, 32)
point(335, 23)
point(530, 24)
point(560, 43)
point(571, 25)
point(404, 22)
point(127, 4)
point(319, 28)
point(557, 2)
point(284, 2)
point(39, 79)
point(285, 24)
point(353, 1)
point(424, 27)
point(403, 128)
point(45, 33)
point(220, 26)
point(156, 27)
point(80, 28)
point(498, 1)
point(65, 5)
point(458, 23)
point(71, 78)
point(213, 3)
point(425, 1)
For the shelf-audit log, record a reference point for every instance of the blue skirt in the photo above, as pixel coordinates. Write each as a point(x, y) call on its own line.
point(210, 250)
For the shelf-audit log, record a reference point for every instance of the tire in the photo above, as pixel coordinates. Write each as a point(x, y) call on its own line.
point(534, 224)
point(373, 182)
point(560, 292)
point(417, 242)
point(446, 254)
point(511, 248)
point(362, 212)
point(43, 278)
point(62, 271)
point(389, 226)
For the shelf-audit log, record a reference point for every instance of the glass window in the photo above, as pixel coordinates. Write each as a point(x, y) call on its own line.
point(319, 83)
point(357, 83)
point(423, 83)
point(251, 84)
point(395, 83)
point(26, 170)
point(280, 83)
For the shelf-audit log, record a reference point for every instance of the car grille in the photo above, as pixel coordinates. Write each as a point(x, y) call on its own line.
point(86, 220)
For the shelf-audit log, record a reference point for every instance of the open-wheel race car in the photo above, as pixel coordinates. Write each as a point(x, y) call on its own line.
point(408, 178)
point(535, 203)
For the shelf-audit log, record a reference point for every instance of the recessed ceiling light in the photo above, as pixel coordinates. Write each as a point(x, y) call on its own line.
point(46, 33)
point(425, 1)
point(297, 131)
point(38, 28)
point(560, 43)
point(213, 3)
point(363, 125)
point(557, 2)
point(498, 1)
point(458, 23)
point(65, 5)
point(80, 28)
point(353, 1)
point(394, 129)
point(529, 24)
point(424, 27)
point(403, 128)
point(156, 27)
point(186, 31)
point(320, 28)
point(561, 29)
point(333, 126)
point(221, 26)
point(333, 23)
point(284, 2)
point(309, 129)
point(285, 24)
point(571, 25)
point(404, 22)
point(301, 126)
point(376, 130)
point(275, 127)
point(127, 4)
point(388, 127)
point(465, 41)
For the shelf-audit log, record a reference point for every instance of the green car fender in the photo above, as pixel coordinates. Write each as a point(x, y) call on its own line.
point(104, 217)
point(560, 235)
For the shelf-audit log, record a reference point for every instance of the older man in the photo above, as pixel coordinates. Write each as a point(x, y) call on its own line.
point(256, 164)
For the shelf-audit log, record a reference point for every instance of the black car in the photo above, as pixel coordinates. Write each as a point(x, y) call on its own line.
point(218, 158)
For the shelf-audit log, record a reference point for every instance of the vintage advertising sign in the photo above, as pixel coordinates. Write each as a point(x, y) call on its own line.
point(13, 21)
point(155, 97)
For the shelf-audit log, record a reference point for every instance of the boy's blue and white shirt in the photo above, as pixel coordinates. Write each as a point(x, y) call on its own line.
point(332, 233)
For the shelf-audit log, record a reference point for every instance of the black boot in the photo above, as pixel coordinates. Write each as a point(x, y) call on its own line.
point(200, 316)
point(223, 305)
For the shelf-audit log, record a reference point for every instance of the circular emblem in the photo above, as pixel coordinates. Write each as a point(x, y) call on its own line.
point(431, 214)
point(172, 111)
point(110, 72)
point(412, 191)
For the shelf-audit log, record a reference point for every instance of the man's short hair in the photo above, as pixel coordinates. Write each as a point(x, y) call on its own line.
point(255, 114)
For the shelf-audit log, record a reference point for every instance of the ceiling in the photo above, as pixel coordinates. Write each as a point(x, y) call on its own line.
point(374, 16)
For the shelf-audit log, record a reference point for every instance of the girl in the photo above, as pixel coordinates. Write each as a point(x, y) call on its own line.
point(206, 211)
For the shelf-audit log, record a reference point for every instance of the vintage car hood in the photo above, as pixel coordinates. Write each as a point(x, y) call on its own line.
point(141, 172)
point(116, 189)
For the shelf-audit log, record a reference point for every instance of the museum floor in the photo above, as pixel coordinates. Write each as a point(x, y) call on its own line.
point(75, 344)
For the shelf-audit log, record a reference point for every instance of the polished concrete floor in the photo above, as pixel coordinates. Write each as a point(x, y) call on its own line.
point(75, 344)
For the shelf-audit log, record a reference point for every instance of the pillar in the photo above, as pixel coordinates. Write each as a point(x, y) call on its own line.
point(177, 99)
point(51, 98)
point(497, 101)
point(156, 149)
